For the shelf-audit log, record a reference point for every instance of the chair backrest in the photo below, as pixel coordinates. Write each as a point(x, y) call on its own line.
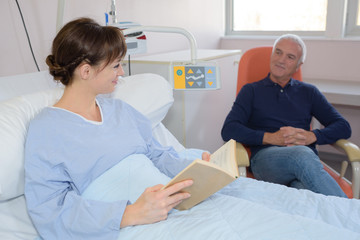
point(254, 65)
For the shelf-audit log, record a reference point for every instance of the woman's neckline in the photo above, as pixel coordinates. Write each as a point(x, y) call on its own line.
point(82, 117)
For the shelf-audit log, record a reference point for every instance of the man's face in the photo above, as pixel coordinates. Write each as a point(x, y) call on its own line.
point(284, 60)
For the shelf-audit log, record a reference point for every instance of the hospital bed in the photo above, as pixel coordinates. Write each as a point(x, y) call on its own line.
point(258, 211)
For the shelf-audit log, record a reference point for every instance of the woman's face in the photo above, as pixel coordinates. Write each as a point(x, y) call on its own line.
point(107, 77)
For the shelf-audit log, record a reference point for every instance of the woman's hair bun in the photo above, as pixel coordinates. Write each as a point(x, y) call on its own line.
point(58, 72)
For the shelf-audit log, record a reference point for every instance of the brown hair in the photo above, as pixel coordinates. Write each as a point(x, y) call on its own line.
point(84, 40)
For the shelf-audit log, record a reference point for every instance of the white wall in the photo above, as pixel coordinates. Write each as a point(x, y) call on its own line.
point(40, 18)
point(330, 59)
point(203, 18)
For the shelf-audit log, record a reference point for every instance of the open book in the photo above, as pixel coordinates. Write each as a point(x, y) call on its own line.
point(208, 177)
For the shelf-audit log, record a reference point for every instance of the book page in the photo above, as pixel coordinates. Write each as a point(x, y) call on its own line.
point(208, 179)
point(224, 158)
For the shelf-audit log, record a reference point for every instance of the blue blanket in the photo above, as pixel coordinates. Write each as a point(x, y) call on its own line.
point(245, 209)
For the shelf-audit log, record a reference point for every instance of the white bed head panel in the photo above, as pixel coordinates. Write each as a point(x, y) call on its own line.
point(17, 85)
point(150, 94)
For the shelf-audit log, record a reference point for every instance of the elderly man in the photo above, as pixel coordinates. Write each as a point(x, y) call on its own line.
point(273, 117)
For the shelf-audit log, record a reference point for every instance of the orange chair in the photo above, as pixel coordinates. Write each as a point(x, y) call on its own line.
point(254, 65)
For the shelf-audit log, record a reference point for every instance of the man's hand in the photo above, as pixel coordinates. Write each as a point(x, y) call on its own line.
point(289, 136)
point(297, 136)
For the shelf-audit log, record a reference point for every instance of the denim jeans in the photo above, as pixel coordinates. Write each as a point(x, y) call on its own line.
point(296, 166)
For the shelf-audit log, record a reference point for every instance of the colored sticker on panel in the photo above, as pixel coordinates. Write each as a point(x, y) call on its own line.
point(210, 76)
point(179, 77)
point(195, 77)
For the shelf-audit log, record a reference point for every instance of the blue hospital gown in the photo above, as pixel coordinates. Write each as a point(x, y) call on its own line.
point(64, 153)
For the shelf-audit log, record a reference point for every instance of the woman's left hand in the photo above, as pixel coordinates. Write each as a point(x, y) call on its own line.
point(205, 156)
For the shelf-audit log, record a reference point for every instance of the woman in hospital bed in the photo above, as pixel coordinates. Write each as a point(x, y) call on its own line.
point(74, 146)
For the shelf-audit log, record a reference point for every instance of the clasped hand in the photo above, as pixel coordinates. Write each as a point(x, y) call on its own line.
point(290, 136)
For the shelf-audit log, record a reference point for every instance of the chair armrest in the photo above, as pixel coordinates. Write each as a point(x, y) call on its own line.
point(352, 151)
point(242, 156)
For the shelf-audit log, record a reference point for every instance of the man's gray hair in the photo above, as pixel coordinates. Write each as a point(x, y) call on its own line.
point(296, 39)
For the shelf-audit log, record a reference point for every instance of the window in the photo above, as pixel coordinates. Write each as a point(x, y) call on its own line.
point(303, 17)
point(273, 15)
point(353, 19)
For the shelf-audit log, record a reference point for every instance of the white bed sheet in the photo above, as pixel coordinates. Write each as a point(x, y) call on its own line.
point(282, 218)
point(224, 217)
point(259, 211)
point(15, 223)
point(246, 209)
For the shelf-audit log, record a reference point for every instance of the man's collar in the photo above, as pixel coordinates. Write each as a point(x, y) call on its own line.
point(269, 82)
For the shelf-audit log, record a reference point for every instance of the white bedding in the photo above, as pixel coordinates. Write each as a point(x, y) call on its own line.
point(254, 209)
point(224, 217)
point(258, 210)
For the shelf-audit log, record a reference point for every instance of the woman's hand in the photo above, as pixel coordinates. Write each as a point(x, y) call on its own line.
point(205, 156)
point(154, 204)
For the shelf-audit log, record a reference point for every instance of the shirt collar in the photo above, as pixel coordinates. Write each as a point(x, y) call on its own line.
point(268, 81)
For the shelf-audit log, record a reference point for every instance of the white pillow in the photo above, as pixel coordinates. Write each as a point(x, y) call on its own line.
point(15, 115)
point(148, 93)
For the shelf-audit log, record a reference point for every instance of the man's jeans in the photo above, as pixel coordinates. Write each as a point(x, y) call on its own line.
point(297, 167)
